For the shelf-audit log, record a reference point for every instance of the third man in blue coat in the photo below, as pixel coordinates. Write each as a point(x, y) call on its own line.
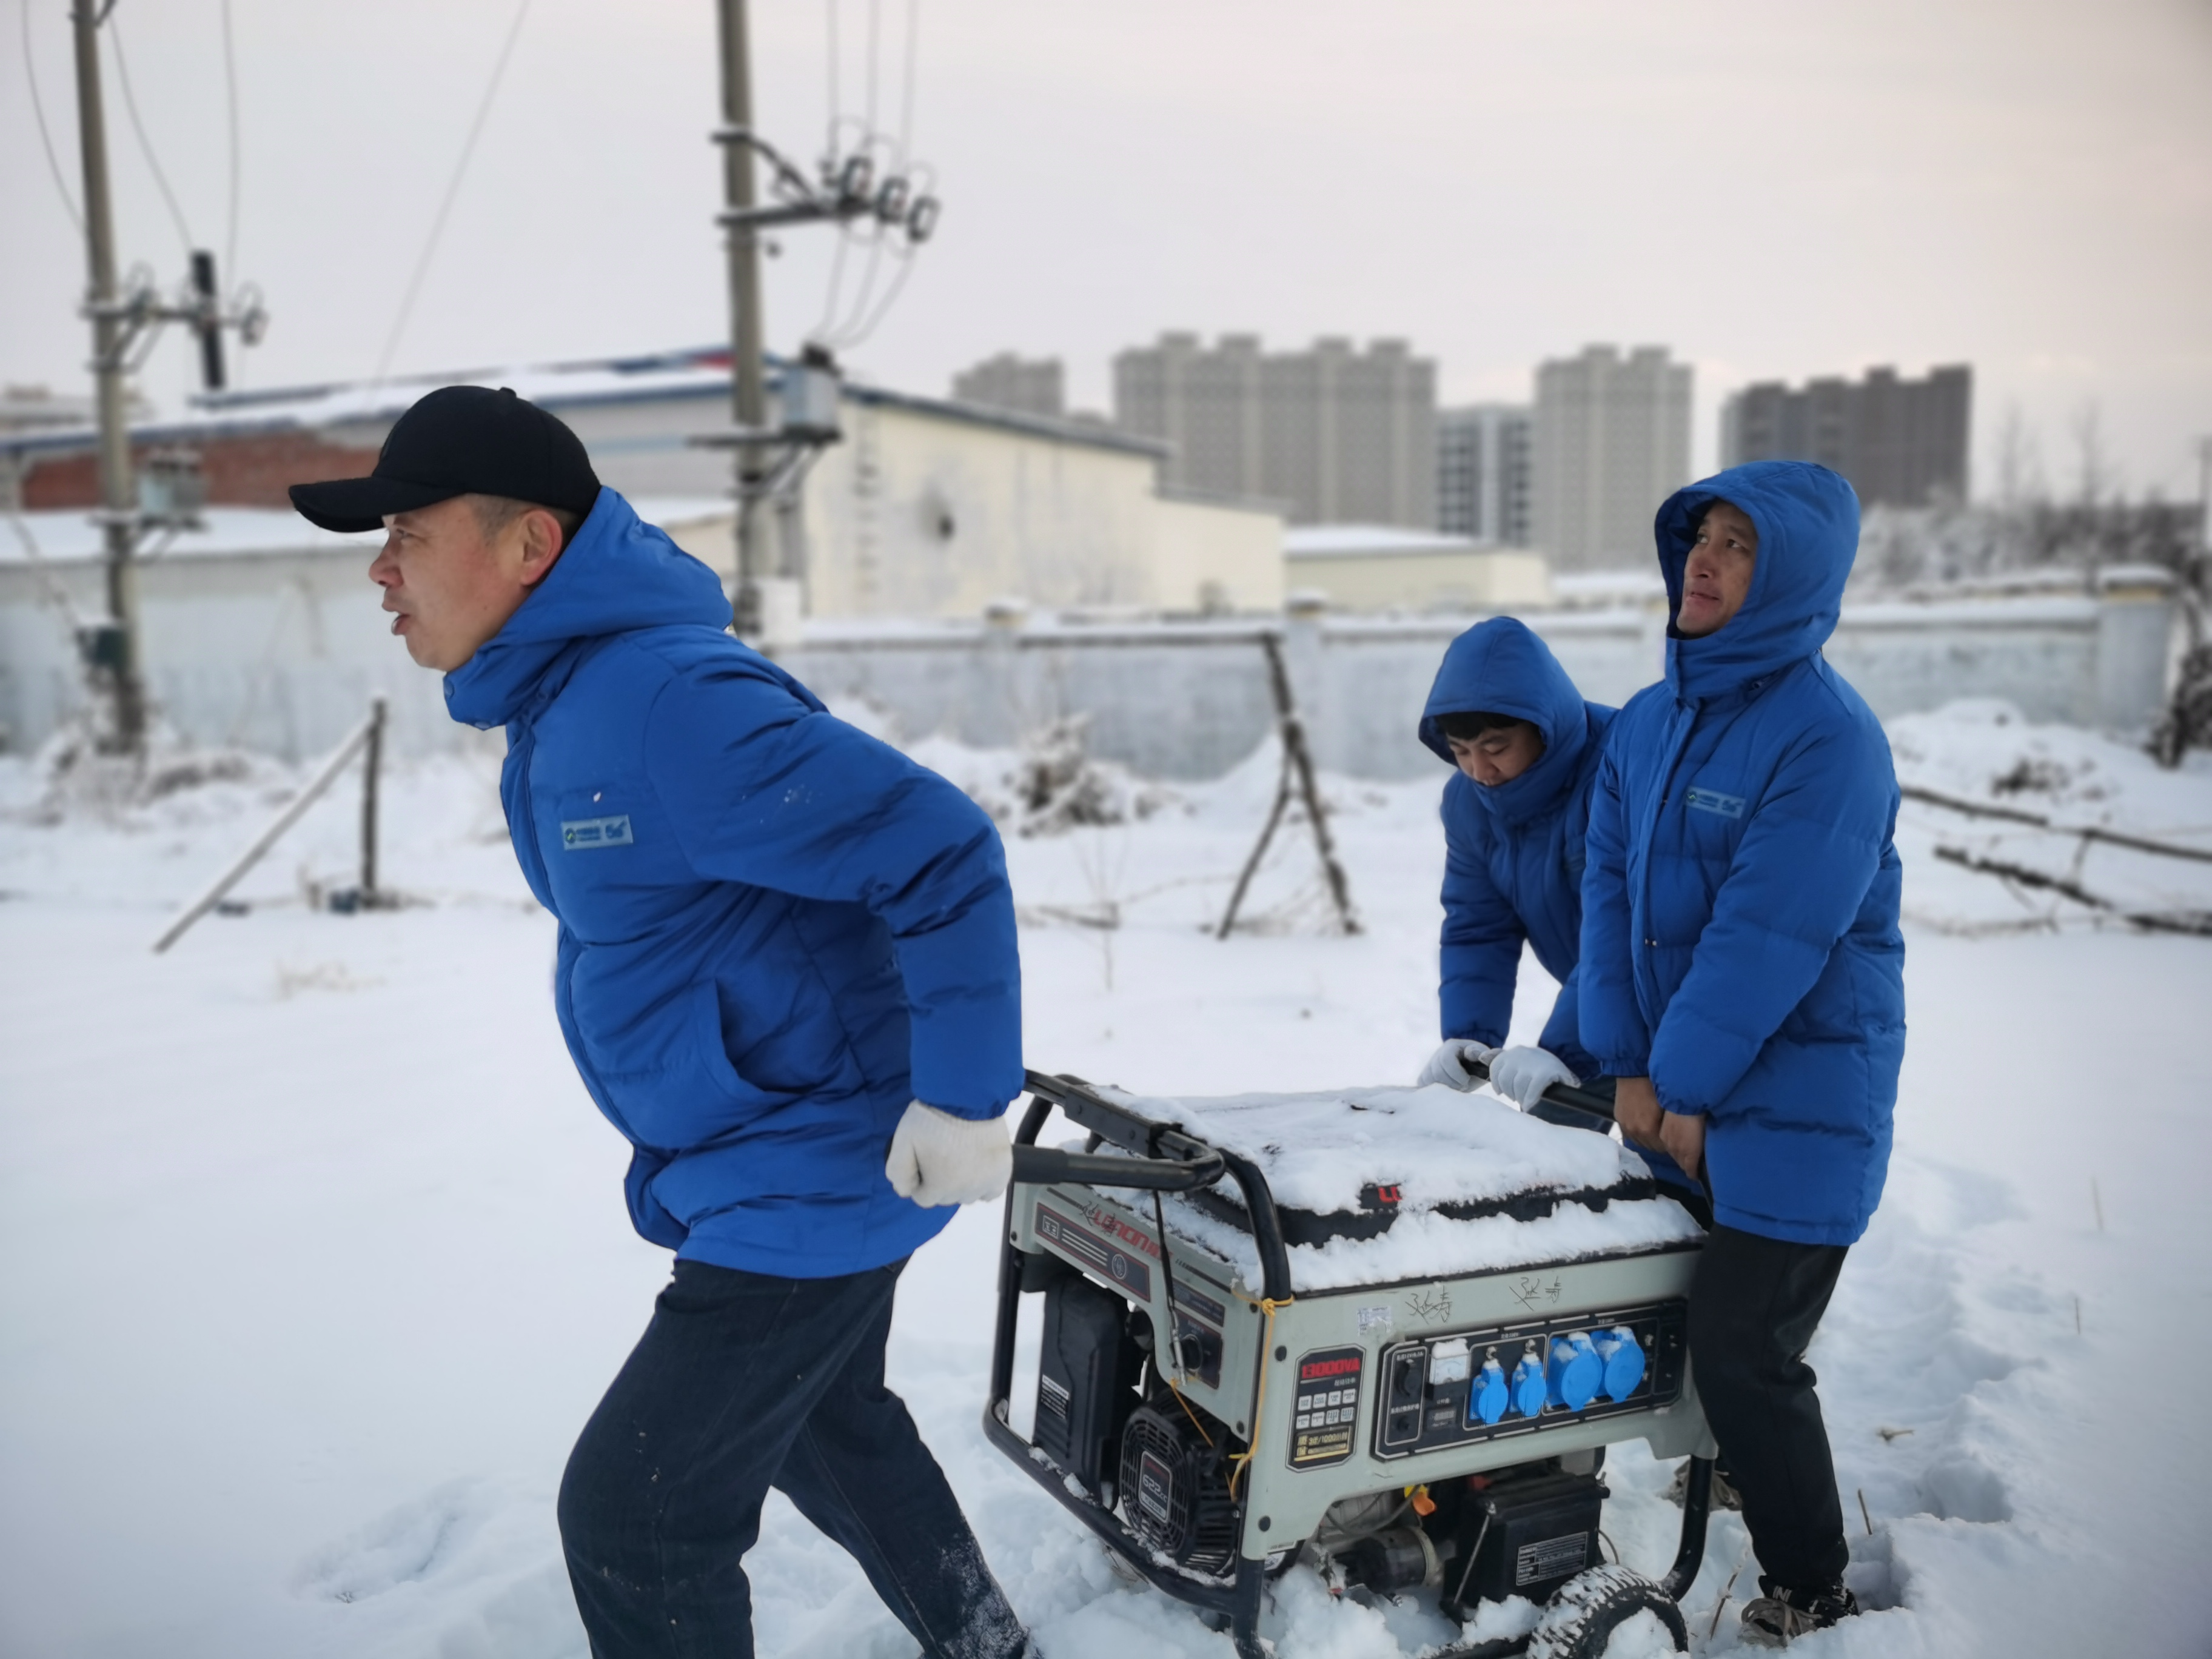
point(1743, 975)
point(1523, 745)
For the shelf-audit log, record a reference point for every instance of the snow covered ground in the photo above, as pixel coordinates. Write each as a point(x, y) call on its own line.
point(312, 1258)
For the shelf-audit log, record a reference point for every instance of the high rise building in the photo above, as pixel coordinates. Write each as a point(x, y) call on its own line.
point(1029, 386)
point(1482, 472)
point(1903, 443)
point(1338, 436)
point(1611, 441)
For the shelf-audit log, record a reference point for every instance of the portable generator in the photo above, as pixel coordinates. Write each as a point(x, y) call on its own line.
point(1385, 1334)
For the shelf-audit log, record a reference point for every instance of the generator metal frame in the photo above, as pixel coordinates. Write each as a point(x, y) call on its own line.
point(1158, 1159)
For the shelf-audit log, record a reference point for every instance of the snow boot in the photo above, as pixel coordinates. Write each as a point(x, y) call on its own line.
point(1725, 1496)
point(1782, 1614)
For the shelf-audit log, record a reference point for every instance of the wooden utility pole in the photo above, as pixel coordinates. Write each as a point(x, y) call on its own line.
point(748, 372)
point(113, 647)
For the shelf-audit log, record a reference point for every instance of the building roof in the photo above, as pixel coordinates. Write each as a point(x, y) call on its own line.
point(702, 374)
point(73, 535)
point(1337, 541)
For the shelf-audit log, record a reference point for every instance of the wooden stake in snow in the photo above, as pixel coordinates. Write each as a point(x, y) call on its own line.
point(295, 809)
point(1298, 773)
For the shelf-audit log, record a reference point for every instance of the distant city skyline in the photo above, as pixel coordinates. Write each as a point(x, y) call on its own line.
point(1337, 435)
point(1902, 442)
point(2024, 185)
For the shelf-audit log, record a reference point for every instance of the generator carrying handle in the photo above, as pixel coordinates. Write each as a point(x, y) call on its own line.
point(1176, 1158)
point(1562, 1095)
point(1042, 1165)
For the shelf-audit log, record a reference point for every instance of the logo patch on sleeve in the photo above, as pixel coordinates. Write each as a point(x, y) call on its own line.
point(1711, 800)
point(578, 834)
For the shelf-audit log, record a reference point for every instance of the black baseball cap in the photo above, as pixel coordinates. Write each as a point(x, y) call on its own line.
point(459, 441)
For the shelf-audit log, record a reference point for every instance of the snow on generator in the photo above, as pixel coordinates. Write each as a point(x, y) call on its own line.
point(1386, 1333)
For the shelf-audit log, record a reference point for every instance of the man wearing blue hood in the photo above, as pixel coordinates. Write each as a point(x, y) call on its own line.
point(778, 939)
point(1743, 975)
point(1524, 746)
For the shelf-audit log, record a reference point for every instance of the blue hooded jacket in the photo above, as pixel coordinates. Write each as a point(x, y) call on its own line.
point(1740, 927)
point(1513, 866)
point(774, 931)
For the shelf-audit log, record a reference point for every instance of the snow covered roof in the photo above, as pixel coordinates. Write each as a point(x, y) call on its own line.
point(1332, 541)
point(72, 535)
point(701, 375)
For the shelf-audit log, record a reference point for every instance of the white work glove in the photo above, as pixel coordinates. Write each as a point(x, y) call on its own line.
point(1523, 1074)
point(1448, 1065)
point(938, 1159)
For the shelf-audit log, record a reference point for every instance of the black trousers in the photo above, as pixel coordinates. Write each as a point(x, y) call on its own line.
point(740, 1383)
point(1753, 1308)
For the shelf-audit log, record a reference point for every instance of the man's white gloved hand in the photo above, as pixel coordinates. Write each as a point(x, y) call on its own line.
point(938, 1159)
point(1448, 1065)
point(1522, 1075)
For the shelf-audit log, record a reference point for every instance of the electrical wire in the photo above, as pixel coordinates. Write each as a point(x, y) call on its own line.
point(875, 45)
point(906, 94)
point(453, 190)
point(38, 109)
point(836, 99)
point(146, 144)
point(230, 93)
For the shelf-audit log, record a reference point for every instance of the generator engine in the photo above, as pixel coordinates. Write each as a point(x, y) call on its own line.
point(1174, 1488)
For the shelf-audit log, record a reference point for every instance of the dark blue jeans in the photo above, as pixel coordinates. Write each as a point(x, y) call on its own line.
point(744, 1382)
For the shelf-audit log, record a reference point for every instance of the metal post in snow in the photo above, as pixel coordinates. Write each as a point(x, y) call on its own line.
point(371, 768)
point(295, 809)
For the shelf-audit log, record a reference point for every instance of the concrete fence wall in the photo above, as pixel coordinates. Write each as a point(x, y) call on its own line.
point(281, 653)
point(1189, 701)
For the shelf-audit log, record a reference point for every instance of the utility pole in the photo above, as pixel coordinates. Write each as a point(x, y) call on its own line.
point(122, 327)
point(772, 462)
point(112, 650)
point(748, 371)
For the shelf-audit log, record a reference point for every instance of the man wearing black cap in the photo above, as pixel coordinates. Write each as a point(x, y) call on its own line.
point(778, 939)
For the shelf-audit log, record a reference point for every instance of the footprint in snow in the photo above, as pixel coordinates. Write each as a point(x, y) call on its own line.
point(404, 1547)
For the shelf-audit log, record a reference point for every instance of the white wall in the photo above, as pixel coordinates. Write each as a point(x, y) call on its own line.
point(281, 651)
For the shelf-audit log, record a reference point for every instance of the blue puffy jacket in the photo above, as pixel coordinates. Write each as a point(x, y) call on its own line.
point(1513, 866)
point(775, 931)
point(1739, 933)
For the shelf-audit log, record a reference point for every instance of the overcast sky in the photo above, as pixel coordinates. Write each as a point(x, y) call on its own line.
point(1771, 189)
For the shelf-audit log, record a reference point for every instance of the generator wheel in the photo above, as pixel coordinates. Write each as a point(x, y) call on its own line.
point(1583, 1612)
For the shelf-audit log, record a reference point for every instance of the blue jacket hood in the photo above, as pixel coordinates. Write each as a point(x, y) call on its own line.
point(1808, 520)
point(1500, 666)
point(619, 573)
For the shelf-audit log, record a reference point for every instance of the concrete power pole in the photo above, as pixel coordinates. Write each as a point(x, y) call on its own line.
point(113, 648)
point(748, 372)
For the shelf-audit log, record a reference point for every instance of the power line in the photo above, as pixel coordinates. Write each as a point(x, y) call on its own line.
point(906, 94)
point(230, 90)
point(145, 144)
point(836, 99)
point(453, 190)
point(38, 109)
point(875, 35)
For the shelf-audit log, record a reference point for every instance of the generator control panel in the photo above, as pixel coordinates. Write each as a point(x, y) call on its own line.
point(1440, 1391)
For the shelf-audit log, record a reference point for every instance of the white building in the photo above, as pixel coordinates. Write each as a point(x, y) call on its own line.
point(1029, 386)
point(1483, 476)
point(1362, 567)
point(1336, 435)
point(1611, 442)
point(925, 508)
